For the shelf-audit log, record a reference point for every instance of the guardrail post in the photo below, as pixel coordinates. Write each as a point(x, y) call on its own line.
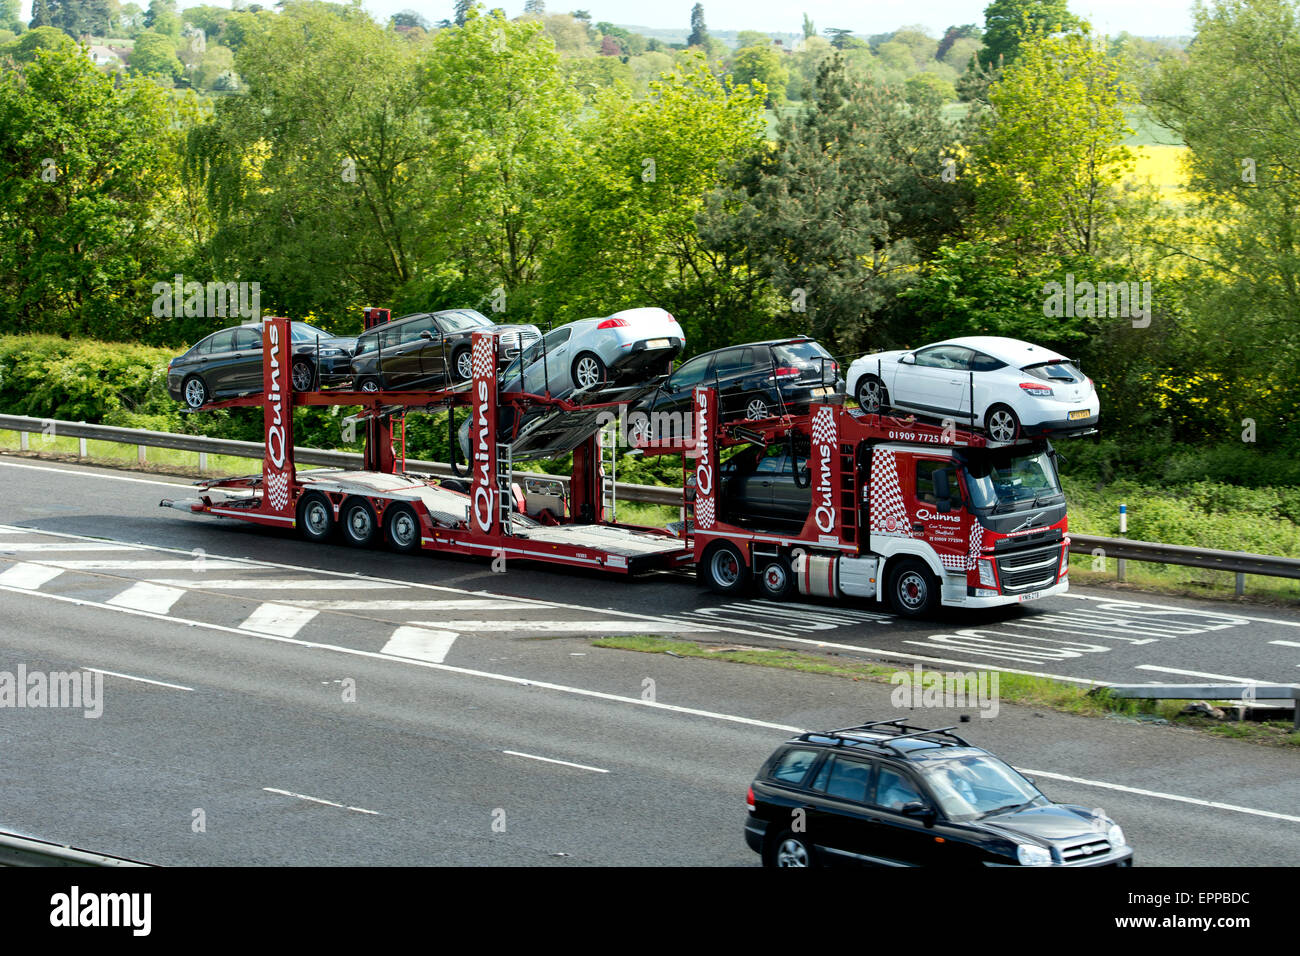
point(141, 454)
point(1241, 584)
point(203, 462)
point(22, 440)
point(1120, 563)
point(81, 448)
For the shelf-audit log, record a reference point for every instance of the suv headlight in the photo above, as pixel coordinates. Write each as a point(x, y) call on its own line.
point(1030, 854)
point(1116, 836)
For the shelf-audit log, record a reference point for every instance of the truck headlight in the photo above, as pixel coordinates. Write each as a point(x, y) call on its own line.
point(1065, 561)
point(1030, 854)
point(988, 578)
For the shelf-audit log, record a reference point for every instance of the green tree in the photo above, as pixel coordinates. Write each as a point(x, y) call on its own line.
point(809, 28)
point(850, 201)
point(762, 64)
point(464, 9)
point(24, 49)
point(9, 16)
point(155, 55)
point(1008, 23)
point(699, 35)
point(43, 13)
point(84, 202)
point(1048, 174)
point(162, 19)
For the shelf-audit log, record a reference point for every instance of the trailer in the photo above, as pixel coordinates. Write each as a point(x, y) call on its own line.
point(899, 511)
point(489, 514)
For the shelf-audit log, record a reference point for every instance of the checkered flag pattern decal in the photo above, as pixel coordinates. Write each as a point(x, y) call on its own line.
point(889, 516)
point(976, 539)
point(277, 491)
point(482, 361)
point(704, 513)
point(823, 426)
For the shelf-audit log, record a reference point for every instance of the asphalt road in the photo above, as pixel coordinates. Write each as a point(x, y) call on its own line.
point(274, 702)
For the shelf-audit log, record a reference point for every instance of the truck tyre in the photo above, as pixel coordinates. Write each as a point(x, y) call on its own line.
point(913, 590)
point(402, 528)
point(360, 527)
point(315, 516)
point(723, 568)
point(776, 579)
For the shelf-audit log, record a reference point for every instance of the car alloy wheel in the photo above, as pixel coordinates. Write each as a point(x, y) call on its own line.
point(792, 852)
point(369, 385)
point(303, 376)
point(464, 364)
point(196, 393)
point(871, 395)
point(588, 371)
point(1002, 424)
point(756, 409)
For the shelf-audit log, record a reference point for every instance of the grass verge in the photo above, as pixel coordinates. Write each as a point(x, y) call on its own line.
point(1012, 688)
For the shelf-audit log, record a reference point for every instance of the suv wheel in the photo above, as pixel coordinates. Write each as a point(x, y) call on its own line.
point(789, 849)
point(756, 409)
point(913, 590)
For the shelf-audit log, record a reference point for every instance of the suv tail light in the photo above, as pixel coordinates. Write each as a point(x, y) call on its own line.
point(1034, 388)
point(787, 372)
point(613, 324)
point(749, 799)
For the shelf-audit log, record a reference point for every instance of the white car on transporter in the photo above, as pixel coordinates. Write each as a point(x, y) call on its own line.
point(1011, 389)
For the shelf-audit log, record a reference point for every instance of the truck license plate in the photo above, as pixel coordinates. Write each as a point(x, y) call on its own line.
point(1031, 596)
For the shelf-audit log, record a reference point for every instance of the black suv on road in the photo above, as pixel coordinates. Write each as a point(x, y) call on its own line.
point(888, 794)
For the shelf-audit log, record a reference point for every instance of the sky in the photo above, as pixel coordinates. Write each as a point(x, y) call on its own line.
point(1149, 18)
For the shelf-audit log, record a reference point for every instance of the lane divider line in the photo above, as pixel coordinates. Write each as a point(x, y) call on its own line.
point(327, 803)
point(563, 763)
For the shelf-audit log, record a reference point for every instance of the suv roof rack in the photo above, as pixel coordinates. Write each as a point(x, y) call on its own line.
point(903, 732)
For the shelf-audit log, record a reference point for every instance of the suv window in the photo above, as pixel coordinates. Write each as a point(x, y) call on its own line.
point(945, 356)
point(793, 766)
point(844, 778)
point(690, 374)
point(732, 362)
point(893, 790)
point(222, 342)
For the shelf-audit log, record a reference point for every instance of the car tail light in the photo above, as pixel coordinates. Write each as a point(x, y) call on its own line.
point(749, 799)
point(1035, 388)
point(613, 324)
point(786, 372)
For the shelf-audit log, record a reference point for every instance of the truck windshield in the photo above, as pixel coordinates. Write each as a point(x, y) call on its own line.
point(1010, 478)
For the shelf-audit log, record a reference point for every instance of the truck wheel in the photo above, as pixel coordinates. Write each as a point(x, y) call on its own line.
point(315, 516)
point(360, 528)
point(402, 528)
point(723, 568)
point(913, 590)
point(776, 579)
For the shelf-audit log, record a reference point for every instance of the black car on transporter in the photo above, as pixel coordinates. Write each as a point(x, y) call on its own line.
point(229, 363)
point(753, 381)
point(430, 349)
point(884, 793)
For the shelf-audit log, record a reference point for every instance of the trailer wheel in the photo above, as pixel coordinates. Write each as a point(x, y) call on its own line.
point(723, 568)
point(360, 527)
point(402, 528)
point(315, 516)
point(776, 579)
point(913, 590)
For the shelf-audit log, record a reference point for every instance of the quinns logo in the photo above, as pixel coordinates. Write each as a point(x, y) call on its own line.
point(704, 513)
point(484, 399)
point(824, 436)
point(275, 433)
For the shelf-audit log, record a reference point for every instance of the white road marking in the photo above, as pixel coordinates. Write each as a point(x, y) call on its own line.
point(142, 680)
point(576, 627)
point(1213, 804)
point(166, 564)
point(57, 546)
point(1128, 605)
point(421, 644)
point(144, 596)
point(457, 604)
point(95, 474)
point(28, 576)
point(616, 698)
point(563, 763)
point(280, 619)
point(1287, 644)
point(1175, 670)
point(327, 803)
point(270, 584)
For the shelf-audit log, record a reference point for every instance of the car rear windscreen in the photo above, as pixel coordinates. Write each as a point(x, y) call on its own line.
point(1061, 371)
point(809, 357)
